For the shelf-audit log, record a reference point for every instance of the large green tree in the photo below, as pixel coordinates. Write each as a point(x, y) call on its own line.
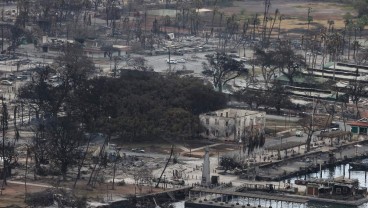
point(146, 105)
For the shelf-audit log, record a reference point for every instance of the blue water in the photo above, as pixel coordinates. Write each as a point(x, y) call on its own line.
point(328, 173)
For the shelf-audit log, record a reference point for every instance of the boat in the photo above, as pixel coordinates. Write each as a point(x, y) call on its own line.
point(359, 165)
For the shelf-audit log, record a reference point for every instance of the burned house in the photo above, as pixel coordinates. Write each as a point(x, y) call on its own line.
point(232, 124)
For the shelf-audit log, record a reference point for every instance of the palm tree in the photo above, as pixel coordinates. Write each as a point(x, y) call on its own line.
point(334, 43)
point(347, 29)
point(267, 4)
point(272, 23)
point(214, 12)
point(330, 25)
point(281, 17)
point(309, 18)
point(323, 46)
point(256, 22)
point(356, 46)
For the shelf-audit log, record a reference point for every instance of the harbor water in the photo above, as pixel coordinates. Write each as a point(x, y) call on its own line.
point(340, 170)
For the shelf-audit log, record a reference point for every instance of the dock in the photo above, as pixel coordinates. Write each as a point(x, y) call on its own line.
point(203, 198)
point(211, 204)
point(286, 198)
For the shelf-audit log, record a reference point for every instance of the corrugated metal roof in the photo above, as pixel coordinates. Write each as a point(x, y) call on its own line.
point(358, 123)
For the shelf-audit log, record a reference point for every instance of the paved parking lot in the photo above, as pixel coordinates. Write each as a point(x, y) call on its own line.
point(193, 62)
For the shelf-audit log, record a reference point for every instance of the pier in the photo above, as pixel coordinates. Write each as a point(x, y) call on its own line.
point(175, 194)
point(211, 204)
point(224, 195)
point(203, 198)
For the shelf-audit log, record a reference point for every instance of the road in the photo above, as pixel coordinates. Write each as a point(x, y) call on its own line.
point(193, 62)
point(282, 118)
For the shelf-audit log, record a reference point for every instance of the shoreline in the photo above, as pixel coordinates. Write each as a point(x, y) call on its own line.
point(312, 168)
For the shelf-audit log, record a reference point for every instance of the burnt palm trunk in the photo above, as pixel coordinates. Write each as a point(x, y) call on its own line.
point(82, 162)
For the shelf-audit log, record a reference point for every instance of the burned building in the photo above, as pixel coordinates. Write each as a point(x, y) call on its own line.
point(232, 124)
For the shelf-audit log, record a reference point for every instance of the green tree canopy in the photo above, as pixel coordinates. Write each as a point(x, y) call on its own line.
point(143, 105)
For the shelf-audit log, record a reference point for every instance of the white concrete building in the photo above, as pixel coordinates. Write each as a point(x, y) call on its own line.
point(232, 124)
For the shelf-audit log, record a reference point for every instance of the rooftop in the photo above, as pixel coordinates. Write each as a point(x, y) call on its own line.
point(233, 112)
point(363, 122)
point(303, 79)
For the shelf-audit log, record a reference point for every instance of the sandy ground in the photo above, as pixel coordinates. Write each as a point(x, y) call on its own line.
point(14, 192)
point(295, 11)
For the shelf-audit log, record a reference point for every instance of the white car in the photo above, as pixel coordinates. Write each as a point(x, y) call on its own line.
point(6, 82)
point(299, 133)
point(171, 61)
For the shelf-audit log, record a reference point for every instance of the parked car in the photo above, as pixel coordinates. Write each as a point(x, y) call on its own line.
point(323, 131)
point(171, 61)
point(22, 77)
point(299, 133)
point(138, 150)
point(334, 125)
point(335, 129)
point(6, 82)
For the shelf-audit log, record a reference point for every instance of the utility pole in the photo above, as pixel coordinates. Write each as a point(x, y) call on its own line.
point(3, 129)
point(2, 37)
